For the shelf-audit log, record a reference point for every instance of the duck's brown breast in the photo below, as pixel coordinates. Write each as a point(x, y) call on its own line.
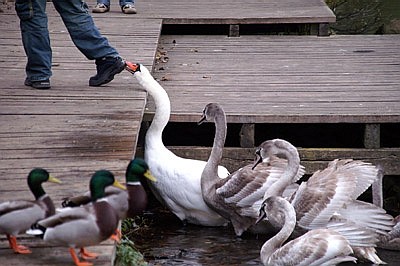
point(106, 218)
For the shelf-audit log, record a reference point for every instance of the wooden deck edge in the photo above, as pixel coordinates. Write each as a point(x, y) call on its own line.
point(312, 158)
point(45, 254)
point(282, 119)
point(228, 21)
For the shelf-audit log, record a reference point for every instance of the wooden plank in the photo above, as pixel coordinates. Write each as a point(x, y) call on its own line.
point(71, 130)
point(372, 136)
point(282, 79)
point(312, 158)
point(45, 255)
point(246, 134)
point(234, 11)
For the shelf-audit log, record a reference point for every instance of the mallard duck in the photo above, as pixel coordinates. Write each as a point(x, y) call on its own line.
point(314, 248)
point(329, 199)
point(128, 203)
point(173, 172)
point(237, 197)
point(83, 226)
point(16, 216)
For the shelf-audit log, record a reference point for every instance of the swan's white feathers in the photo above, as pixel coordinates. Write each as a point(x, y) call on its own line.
point(338, 260)
point(360, 237)
point(178, 179)
point(368, 215)
point(368, 254)
point(328, 197)
point(300, 251)
point(243, 187)
point(338, 181)
point(365, 173)
point(178, 186)
point(243, 184)
point(316, 247)
point(320, 197)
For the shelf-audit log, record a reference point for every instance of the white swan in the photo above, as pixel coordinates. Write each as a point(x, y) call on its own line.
point(316, 247)
point(239, 196)
point(178, 179)
point(328, 199)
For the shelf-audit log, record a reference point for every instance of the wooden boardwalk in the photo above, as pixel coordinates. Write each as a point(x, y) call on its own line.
point(236, 11)
point(230, 12)
point(287, 80)
point(73, 129)
point(284, 79)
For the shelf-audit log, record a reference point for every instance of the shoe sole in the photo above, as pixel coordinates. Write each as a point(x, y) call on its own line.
point(38, 86)
point(100, 11)
point(110, 76)
point(129, 11)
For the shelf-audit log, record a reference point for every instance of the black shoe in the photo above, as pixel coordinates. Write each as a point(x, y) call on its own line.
point(107, 68)
point(38, 84)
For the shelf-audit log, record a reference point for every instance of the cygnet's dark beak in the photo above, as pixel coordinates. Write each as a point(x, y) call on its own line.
point(262, 214)
point(258, 159)
point(203, 118)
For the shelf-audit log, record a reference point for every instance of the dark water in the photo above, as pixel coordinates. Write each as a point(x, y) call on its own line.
point(166, 241)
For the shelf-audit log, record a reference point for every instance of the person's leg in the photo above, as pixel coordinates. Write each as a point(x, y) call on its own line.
point(89, 40)
point(128, 6)
point(102, 6)
point(36, 42)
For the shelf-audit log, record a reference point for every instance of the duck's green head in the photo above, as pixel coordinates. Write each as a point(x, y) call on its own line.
point(99, 181)
point(35, 179)
point(136, 170)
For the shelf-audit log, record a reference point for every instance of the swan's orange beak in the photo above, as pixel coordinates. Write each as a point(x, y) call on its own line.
point(131, 67)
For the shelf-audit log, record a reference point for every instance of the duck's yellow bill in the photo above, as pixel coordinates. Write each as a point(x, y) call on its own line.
point(149, 176)
point(119, 185)
point(54, 180)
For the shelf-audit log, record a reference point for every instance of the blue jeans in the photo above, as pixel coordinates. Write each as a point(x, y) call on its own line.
point(36, 40)
point(121, 2)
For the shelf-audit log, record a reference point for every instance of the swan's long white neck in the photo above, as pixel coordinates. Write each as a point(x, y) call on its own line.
point(210, 172)
point(162, 103)
point(276, 241)
point(290, 153)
